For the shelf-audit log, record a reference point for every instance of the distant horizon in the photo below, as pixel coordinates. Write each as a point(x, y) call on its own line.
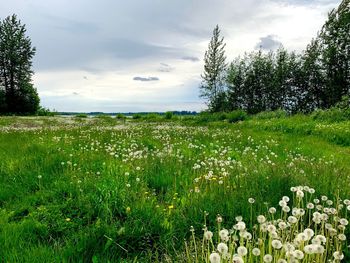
point(129, 112)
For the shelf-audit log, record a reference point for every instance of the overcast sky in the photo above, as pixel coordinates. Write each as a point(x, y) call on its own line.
point(147, 55)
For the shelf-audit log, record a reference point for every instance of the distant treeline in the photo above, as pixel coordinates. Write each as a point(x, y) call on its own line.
point(126, 113)
point(318, 78)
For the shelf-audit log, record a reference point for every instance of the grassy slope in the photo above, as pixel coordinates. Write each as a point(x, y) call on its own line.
point(88, 211)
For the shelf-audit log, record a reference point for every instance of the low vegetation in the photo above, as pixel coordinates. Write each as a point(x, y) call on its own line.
point(132, 190)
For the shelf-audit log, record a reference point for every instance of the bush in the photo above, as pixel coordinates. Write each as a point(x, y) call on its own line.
point(103, 117)
point(120, 116)
point(277, 114)
point(81, 115)
point(211, 117)
point(45, 112)
point(137, 116)
point(237, 115)
point(331, 115)
point(222, 116)
point(168, 115)
point(344, 103)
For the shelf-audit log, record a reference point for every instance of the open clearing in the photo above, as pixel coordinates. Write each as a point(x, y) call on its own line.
point(100, 189)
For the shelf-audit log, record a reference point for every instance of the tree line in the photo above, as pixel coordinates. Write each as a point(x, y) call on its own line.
point(317, 78)
point(17, 93)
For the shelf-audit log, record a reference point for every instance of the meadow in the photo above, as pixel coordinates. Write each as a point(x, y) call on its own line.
point(167, 189)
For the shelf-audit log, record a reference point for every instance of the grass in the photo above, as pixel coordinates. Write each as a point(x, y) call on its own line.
point(106, 189)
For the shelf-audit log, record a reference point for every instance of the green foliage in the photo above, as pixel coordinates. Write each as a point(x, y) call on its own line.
point(81, 115)
point(231, 117)
point(45, 112)
point(151, 117)
point(321, 126)
point(104, 117)
point(260, 81)
point(85, 190)
point(168, 115)
point(265, 82)
point(344, 104)
point(120, 116)
point(237, 115)
point(16, 54)
point(277, 114)
point(3, 106)
point(136, 116)
point(335, 53)
point(333, 114)
point(205, 117)
point(213, 77)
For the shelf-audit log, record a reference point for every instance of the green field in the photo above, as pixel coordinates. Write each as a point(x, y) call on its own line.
point(107, 190)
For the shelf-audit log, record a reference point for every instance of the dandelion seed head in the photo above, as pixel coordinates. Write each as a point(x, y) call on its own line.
point(251, 200)
point(338, 255)
point(261, 219)
point(208, 235)
point(256, 252)
point(268, 258)
point(272, 210)
point(237, 259)
point(276, 244)
point(214, 258)
point(222, 248)
point(242, 251)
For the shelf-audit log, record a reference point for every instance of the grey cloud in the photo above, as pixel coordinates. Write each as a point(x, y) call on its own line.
point(268, 43)
point(104, 36)
point(146, 79)
point(190, 58)
point(93, 35)
point(126, 48)
point(165, 68)
point(70, 25)
point(308, 2)
point(113, 53)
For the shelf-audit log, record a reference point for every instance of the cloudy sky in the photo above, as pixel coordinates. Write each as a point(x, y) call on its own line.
point(147, 55)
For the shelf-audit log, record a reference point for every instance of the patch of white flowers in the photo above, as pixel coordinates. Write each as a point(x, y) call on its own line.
point(313, 230)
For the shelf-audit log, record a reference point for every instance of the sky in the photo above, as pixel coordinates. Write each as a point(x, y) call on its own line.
point(147, 55)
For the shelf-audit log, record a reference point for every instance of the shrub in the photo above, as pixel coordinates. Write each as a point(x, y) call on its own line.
point(151, 116)
point(120, 116)
point(237, 115)
point(277, 114)
point(81, 115)
point(344, 103)
point(222, 116)
point(168, 115)
point(137, 116)
point(45, 112)
point(103, 116)
point(331, 115)
point(211, 117)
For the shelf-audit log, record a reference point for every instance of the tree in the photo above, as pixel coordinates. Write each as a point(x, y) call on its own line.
point(213, 79)
point(16, 53)
point(317, 79)
point(280, 79)
point(313, 76)
point(335, 44)
point(235, 84)
point(258, 84)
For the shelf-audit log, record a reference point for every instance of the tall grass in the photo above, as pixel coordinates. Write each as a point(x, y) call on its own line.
point(95, 190)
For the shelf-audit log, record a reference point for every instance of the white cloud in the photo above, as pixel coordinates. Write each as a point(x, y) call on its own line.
point(89, 52)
